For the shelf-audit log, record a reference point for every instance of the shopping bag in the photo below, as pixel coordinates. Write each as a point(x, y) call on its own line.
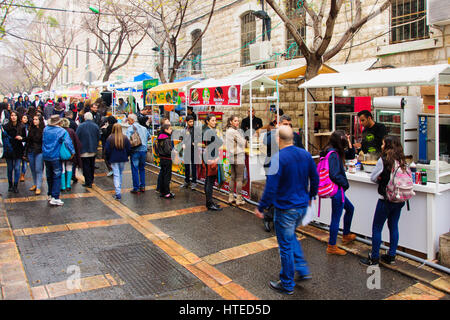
point(310, 213)
point(220, 176)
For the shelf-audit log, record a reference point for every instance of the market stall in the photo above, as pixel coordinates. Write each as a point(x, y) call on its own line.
point(168, 95)
point(428, 217)
point(227, 92)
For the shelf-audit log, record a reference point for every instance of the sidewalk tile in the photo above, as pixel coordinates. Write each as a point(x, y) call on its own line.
point(205, 278)
point(17, 291)
point(213, 273)
point(442, 283)
point(39, 293)
point(240, 292)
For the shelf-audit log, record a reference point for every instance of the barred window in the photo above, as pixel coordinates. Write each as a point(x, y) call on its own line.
point(196, 52)
point(408, 20)
point(248, 35)
point(297, 16)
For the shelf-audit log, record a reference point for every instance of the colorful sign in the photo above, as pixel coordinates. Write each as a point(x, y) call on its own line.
point(147, 85)
point(218, 96)
point(171, 97)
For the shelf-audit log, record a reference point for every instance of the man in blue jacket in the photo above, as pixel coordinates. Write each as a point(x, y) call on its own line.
point(53, 137)
point(292, 181)
point(138, 154)
point(89, 134)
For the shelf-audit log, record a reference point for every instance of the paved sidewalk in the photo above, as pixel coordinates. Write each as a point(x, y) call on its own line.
point(145, 247)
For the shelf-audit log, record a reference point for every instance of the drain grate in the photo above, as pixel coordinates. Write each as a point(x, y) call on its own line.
point(146, 270)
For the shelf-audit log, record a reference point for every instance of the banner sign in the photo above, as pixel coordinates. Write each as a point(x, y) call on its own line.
point(168, 97)
point(147, 85)
point(218, 96)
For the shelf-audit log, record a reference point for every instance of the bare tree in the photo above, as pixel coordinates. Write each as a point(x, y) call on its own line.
point(43, 52)
point(166, 20)
point(118, 31)
point(7, 7)
point(319, 52)
point(13, 77)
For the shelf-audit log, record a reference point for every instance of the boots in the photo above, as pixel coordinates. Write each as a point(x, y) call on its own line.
point(63, 182)
point(68, 181)
point(335, 250)
point(10, 187)
point(231, 198)
point(15, 188)
point(33, 188)
point(349, 238)
point(22, 177)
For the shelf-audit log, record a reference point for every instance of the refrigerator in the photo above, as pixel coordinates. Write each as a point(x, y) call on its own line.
point(399, 115)
point(346, 115)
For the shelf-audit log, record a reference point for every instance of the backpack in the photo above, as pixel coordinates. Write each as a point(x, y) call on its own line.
point(400, 185)
point(327, 188)
point(135, 139)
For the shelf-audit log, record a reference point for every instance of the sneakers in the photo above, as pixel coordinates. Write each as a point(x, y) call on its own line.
point(299, 278)
point(56, 202)
point(33, 188)
point(111, 173)
point(369, 261)
point(193, 186)
point(168, 196)
point(388, 259)
point(49, 198)
point(231, 198)
point(22, 177)
point(335, 250)
point(277, 286)
point(117, 197)
point(38, 192)
point(240, 201)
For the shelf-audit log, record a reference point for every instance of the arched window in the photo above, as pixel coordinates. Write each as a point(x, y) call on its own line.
point(196, 52)
point(297, 16)
point(248, 35)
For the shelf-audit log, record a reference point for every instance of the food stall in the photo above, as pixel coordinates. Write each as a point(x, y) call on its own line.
point(168, 95)
point(428, 217)
point(227, 92)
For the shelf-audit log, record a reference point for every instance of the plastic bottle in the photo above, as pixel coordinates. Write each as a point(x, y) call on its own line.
point(424, 177)
point(413, 168)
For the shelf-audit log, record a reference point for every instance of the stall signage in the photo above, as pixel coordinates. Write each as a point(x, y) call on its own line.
point(171, 97)
point(216, 96)
point(147, 85)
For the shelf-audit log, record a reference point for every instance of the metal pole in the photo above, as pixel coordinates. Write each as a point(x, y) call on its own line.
point(278, 106)
point(333, 111)
point(306, 120)
point(251, 121)
point(436, 127)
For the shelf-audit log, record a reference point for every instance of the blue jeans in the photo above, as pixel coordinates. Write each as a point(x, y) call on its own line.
point(24, 166)
point(37, 168)
point(337, 206)
point(137, 161)
point(118, 168)
point(291, 253)
point(386, 211)
point(13, 165)
point(53, 170)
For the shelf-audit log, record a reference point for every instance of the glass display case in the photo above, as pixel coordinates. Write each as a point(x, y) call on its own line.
point(393, 120)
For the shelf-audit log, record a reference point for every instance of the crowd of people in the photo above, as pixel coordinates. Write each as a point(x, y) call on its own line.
point(37, 132)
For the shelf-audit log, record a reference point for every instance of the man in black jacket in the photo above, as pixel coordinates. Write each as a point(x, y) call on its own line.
point(191, 159)
point(163, 149)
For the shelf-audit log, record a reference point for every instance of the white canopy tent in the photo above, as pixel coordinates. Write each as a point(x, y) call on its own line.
point(383, 78)
point(430, 198)
point(247, 81)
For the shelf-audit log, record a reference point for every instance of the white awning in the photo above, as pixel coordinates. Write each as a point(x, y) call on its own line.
point(409, 76)
point(244, 80)
point(356, 66)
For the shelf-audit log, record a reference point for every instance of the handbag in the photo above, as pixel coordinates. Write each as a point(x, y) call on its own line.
point(135, 139)
point(64, 152)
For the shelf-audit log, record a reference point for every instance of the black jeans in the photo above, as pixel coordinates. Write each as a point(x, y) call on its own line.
point(166, 176)
point(88, 170)
point(190, 168)
point(209, 188)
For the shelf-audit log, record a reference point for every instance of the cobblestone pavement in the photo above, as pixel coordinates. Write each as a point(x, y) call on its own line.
point(145, 247)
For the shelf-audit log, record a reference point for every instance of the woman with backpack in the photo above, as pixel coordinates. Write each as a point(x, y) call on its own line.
point(34, 152)
point(336, 154)
point(392, 157)
point(15, 133)
point(69, 165)
point(117, 152)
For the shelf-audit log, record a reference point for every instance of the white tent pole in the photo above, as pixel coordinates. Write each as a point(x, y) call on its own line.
point(305, 125)
point(278, 106)
point(251, 121)
point(436, 127)
point(333, 112)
